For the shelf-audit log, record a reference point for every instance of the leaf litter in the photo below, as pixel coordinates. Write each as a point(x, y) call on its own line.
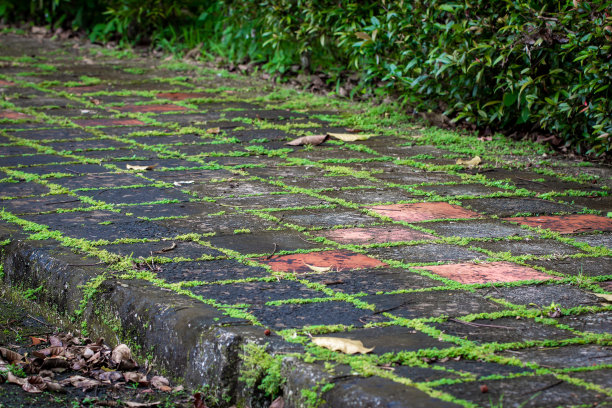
point(97, 365)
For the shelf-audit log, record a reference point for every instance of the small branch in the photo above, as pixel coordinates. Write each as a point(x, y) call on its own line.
point(273, 251)
point(39, 321)
point(483, 325)
point(92, 264)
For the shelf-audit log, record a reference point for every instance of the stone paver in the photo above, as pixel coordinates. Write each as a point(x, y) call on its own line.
point(177, 183)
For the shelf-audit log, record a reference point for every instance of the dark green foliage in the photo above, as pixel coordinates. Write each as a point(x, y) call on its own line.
point(505, 64)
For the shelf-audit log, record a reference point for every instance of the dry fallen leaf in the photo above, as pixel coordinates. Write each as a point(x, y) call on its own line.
point(34, 384)
point(349, 137)
point(37, 340)
point(278, 403)
point(140, 168)
point(54, 386)
point(120, 353)
point(198, 402)
point(134, 377)
point(470, 163)
point(213, 131)
point(607, 298)
point(319, 269)
point(314, 140)
point(10, 355)
point(12, 379)
point(340, 344)
point(161, 383)
point(141, 404)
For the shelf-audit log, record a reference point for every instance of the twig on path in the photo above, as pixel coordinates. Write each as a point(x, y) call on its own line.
point(531, 181)
point(39, 321)
point(92, 264)
point(483, 325)
point(273, 251)
point(168, 249)
point(391, 308)
point(546, 387)
point(62, 202)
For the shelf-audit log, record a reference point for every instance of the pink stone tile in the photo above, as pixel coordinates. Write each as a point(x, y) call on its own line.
point(374, 235)
point(108, 122)
point(336, 260)
point(181, 96)
point(83, 89)
point(14, 115)
point(470, 273)
point(567, 224)
point(423, 211)
point(151, 108)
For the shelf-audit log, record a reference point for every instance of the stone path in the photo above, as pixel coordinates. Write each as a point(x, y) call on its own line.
point(478, 287)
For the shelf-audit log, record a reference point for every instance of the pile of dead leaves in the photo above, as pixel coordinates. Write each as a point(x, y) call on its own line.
point(96, 363)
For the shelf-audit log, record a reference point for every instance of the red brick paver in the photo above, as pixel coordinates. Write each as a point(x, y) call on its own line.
point(14, 115)
point(181, 96)
point(108, 122)
point(423, 211)
point(567, 224)
point(469, 273)
point(335, 260)
point(374, 235)
point(151, 108)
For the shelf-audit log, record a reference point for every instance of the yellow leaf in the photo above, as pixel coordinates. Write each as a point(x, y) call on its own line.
point(349, 137)
point(470, 163)
point(140, 168)
point(339, 344)
point(363, 36)
point(607, 298)
point(319, 269)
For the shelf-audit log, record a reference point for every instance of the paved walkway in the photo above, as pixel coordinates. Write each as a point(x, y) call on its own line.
point(158, 201)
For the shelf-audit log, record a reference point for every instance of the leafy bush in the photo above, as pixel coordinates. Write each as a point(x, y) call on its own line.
point(503, 64)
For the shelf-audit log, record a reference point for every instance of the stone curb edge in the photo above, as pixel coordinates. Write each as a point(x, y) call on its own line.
point(189, 340)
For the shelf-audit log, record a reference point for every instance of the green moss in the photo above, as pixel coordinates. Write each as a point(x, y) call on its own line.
point(260, 369)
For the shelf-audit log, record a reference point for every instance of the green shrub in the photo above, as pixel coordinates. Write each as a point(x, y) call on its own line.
point(539, 64)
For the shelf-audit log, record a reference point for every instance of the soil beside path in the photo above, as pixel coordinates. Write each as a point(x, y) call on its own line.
point(156, 203)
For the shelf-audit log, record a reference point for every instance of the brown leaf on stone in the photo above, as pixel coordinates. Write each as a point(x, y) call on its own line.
point(278, 403)
point(10, 356)
point(213, 131)
point(314, 140)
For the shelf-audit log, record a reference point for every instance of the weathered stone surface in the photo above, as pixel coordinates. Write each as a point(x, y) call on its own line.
point(227, 237)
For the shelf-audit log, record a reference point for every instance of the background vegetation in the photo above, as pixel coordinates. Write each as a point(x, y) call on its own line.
point(527, 64)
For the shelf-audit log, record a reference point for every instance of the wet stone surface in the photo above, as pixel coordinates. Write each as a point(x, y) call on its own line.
point(442, 269)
